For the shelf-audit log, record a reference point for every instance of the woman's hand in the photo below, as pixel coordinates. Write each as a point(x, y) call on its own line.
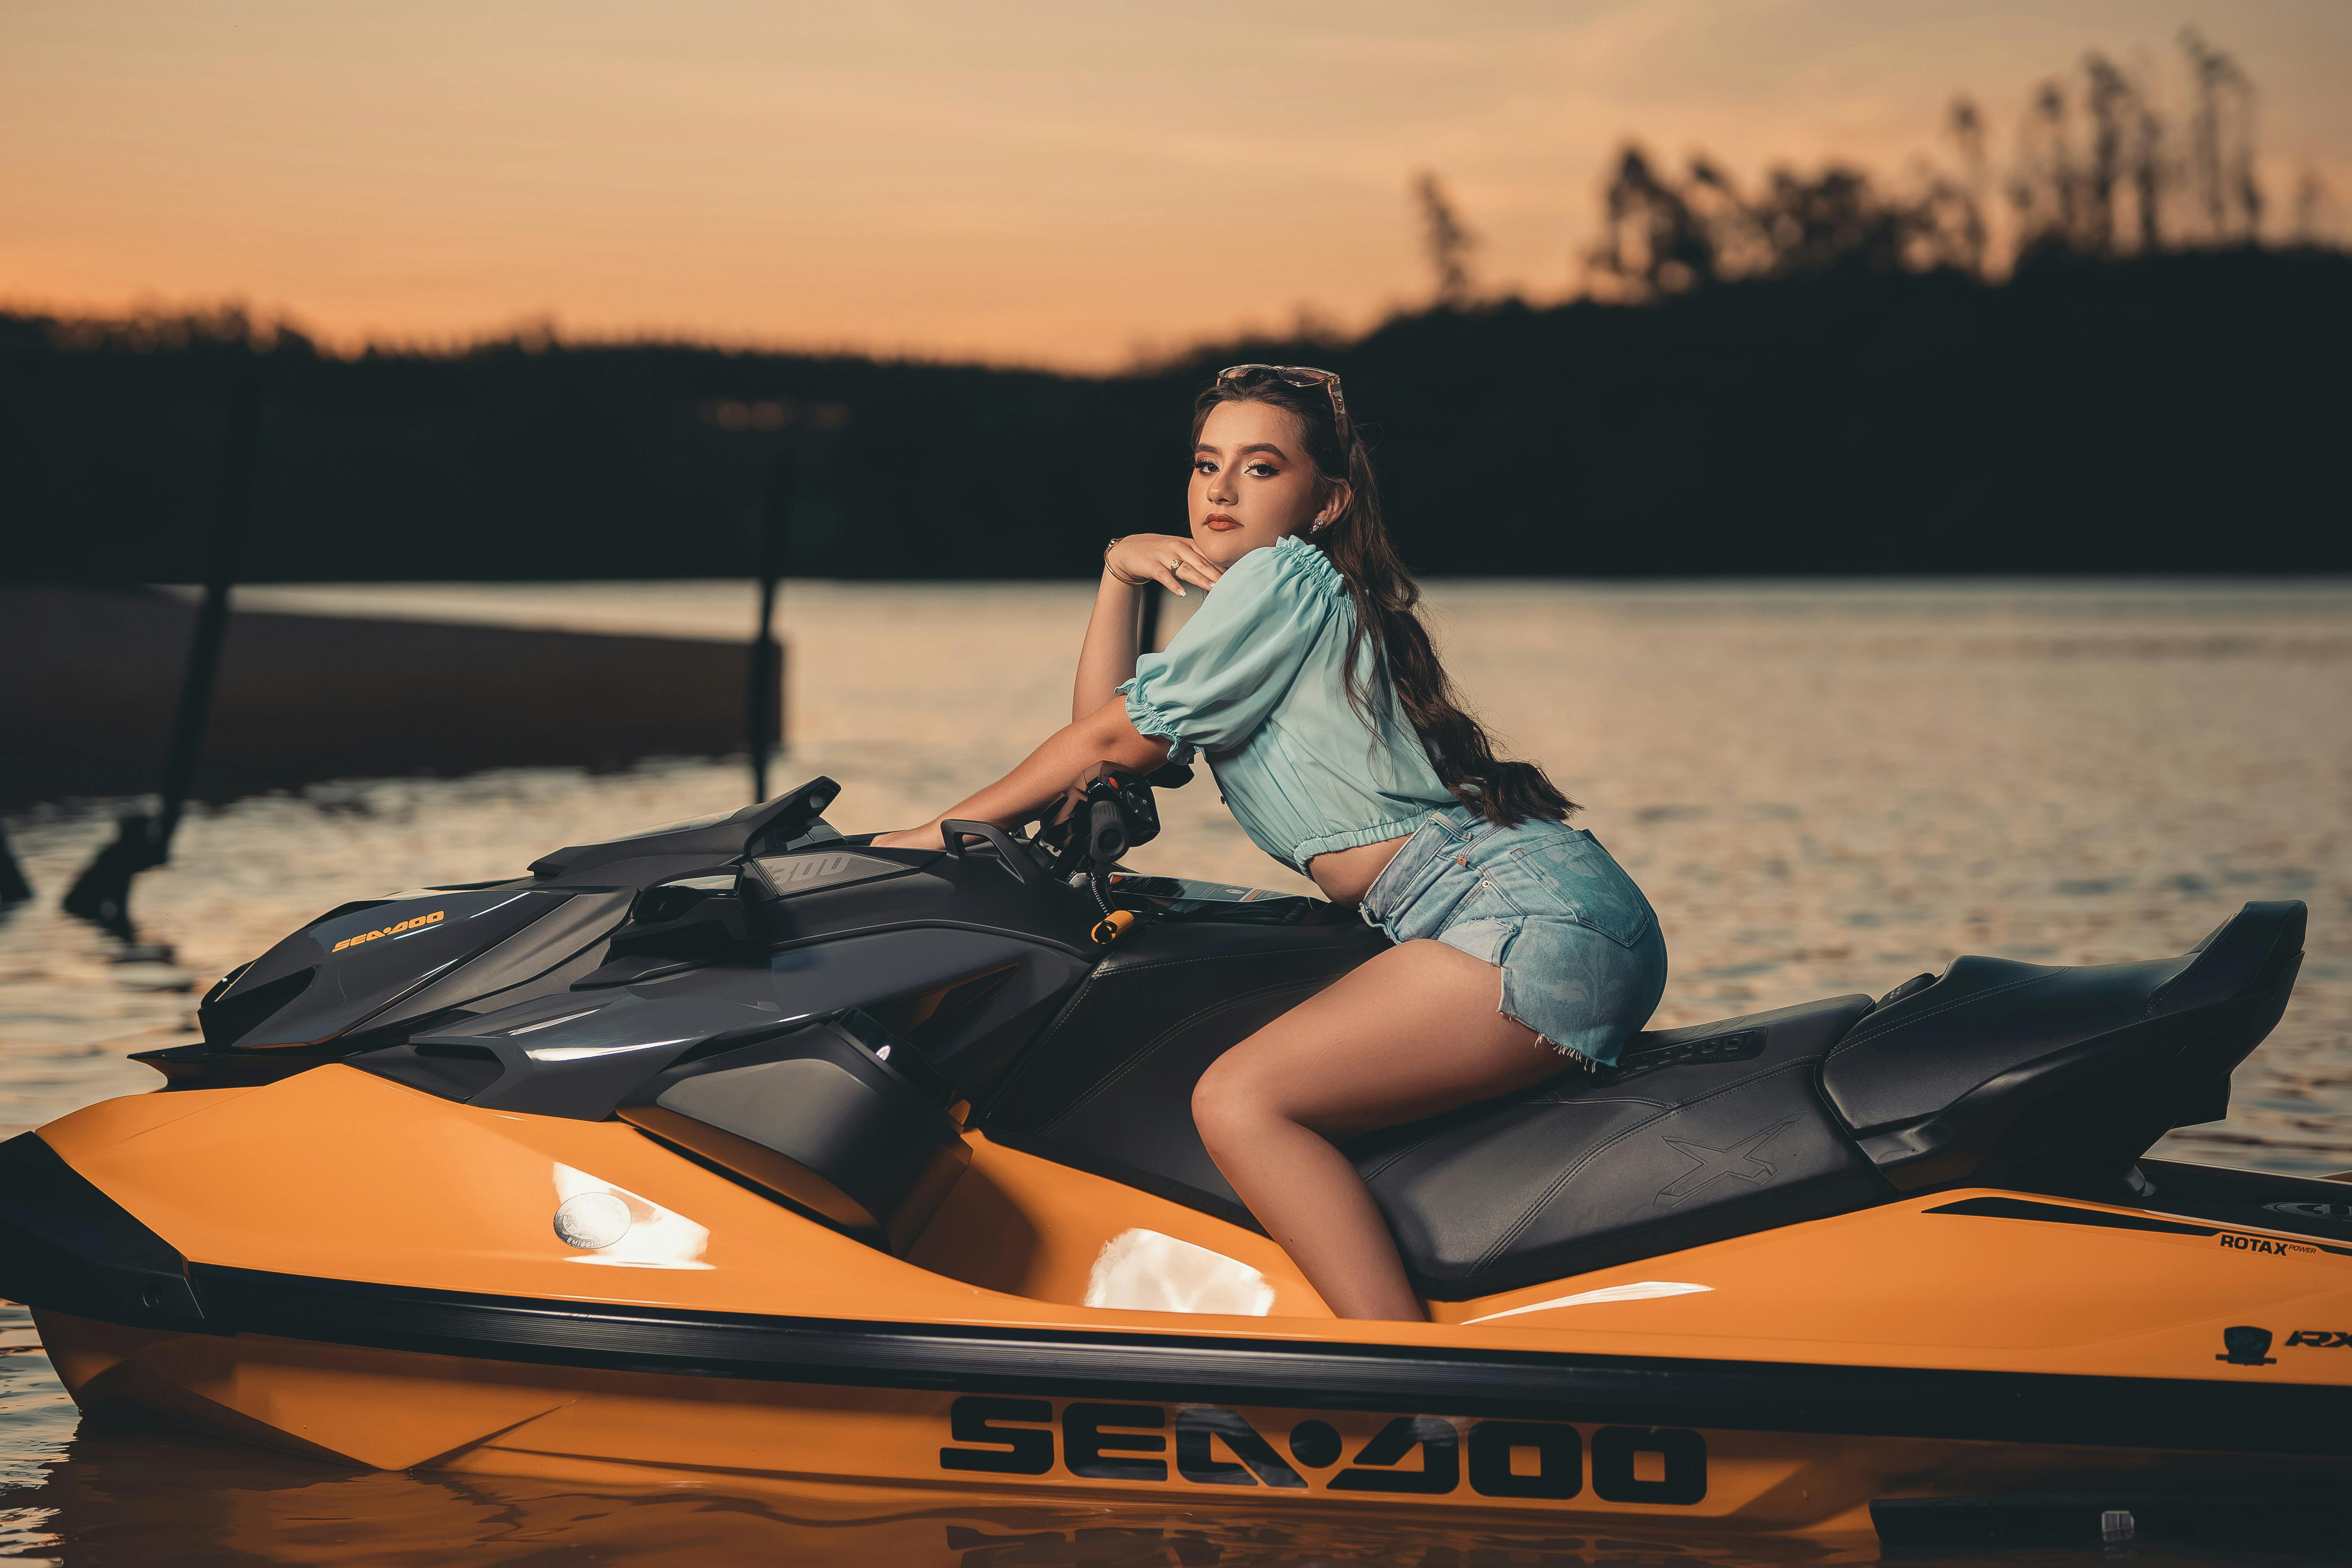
point(927, 836)
point(1166, 559)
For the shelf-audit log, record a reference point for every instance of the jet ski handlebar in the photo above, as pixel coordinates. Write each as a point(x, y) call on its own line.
point(1107, 811)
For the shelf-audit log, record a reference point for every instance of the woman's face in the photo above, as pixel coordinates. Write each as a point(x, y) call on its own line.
point(1253, 482)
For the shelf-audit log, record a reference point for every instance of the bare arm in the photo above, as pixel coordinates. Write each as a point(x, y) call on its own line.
point(1104, 735)
point(1107, 660)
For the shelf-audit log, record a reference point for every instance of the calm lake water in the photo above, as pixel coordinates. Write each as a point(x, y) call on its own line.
point(1823, 789)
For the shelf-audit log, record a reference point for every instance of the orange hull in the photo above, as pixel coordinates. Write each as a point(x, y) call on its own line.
point(396, 1298)
point(401, 1410)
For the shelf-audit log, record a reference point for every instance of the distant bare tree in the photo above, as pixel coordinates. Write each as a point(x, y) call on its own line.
point(1965, 124)
point(1654, 241)
point(1447, 238)
point(2043, 183)
point(2079, 206)
point(2110, 98)
point(1732, 238)
point(2149, 176)
point(2221, 138)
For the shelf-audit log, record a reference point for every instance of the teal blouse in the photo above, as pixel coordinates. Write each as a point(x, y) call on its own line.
point(1255, 680)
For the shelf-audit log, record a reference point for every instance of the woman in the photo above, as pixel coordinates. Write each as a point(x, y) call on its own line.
point(1309, 679)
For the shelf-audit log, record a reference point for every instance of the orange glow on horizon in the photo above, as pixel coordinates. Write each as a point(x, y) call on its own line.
point(1028, 182)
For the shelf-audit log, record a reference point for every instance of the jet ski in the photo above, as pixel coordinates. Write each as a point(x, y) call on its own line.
point(743, 1148)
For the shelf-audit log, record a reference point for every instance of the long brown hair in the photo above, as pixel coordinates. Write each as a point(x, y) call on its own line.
point(1386, 598)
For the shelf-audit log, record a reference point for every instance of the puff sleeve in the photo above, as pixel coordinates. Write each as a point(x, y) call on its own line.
point(1238, 657)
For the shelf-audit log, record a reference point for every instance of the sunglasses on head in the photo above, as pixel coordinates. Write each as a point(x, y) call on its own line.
point(1295, 375)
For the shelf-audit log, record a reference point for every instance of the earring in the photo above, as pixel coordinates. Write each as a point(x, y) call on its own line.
point(1319, 525)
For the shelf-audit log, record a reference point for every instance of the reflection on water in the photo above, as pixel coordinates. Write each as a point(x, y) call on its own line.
point(1824, 790)
point(132, 1494)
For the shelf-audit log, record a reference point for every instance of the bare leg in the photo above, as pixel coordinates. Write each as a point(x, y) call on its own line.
point(1411, 1034)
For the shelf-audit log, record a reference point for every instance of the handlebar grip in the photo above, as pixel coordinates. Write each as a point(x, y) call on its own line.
point(1106, 833)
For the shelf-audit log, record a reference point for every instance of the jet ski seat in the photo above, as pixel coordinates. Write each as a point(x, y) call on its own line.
point(2053, 1078)
point(1575, 1173)
point(2050, 1078)
point(1698, 1134)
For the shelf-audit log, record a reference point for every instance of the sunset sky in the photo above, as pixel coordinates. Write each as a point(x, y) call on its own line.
point(1026, 180)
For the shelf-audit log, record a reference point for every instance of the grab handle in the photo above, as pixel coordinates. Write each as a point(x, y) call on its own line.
point(1016, 860)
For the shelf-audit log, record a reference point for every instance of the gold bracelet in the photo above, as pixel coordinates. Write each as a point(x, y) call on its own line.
point(1117, 576)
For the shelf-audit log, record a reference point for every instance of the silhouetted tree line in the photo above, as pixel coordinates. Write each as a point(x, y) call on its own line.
point(1814, 376)
point(2098, 172)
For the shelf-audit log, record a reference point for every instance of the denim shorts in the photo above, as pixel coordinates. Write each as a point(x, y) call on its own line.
point(1583, 961)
